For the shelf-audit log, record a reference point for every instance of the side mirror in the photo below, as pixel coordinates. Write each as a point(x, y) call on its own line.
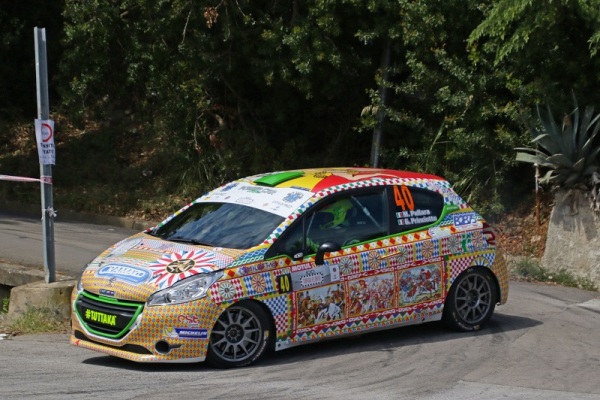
point(326, 247)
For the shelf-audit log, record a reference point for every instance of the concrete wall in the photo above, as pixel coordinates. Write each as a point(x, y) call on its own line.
point(573, 241)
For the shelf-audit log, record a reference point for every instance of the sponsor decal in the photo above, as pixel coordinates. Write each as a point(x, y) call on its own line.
point(437, 233)
point(304, 276)
point(244, 200)
point(190, 320)
point(105, 292)
point(192, 333)
point(100, 317)
point(124, 272)
point(229, 187)
point(258, 189)
point(292, 197)
point(334, 271)
point(311, 279)
point(466, 221)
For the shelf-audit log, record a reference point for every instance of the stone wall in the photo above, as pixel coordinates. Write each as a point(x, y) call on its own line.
point(573, 241)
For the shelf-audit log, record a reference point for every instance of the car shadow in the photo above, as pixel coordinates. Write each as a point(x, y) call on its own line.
point(408, 336)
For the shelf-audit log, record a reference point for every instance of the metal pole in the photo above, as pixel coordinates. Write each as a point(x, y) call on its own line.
point(377, 132)
point(41, 69)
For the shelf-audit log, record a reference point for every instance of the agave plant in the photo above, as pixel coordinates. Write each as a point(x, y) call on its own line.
point(570, 152)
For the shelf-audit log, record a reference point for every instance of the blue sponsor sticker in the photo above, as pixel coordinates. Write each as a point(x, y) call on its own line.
point(192, 333)
point(466, 219)
point(124, 272)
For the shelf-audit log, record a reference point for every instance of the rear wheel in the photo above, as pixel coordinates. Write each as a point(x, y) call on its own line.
point(471, 300)
point(240, 336)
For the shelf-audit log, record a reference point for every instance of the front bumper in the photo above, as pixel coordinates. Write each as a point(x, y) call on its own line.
point(173, 333)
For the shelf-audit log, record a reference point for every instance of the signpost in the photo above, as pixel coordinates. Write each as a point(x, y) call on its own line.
point(44, 132)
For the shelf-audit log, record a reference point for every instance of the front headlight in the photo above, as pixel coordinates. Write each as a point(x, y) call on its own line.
point(192, 288)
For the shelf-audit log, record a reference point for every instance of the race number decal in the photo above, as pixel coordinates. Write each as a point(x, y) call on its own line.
point(285, 283)
point(403, 198)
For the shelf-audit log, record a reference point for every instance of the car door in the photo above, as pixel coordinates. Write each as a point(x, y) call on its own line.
point(347, 283)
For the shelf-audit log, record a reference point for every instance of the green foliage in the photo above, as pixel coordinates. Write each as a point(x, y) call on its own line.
point(5, 303)
point(38, 320)
point(199, 93)
point(569, 152)
point(548, 48)
point(530, 269)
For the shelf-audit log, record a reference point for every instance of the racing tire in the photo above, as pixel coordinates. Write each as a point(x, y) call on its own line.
point(471, 300)
point(240, 336)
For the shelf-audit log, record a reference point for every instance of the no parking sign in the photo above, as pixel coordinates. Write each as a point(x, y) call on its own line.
point(44, 134)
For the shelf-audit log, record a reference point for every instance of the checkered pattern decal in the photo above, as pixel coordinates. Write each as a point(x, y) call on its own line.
point(280, 309)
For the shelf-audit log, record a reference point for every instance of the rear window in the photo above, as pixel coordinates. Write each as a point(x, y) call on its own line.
point(415, 207)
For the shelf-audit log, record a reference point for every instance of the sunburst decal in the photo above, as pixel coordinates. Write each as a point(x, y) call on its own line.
point(174, 267)
point(374, 260)
point(454, 244)
point(427, 249)
point(258, 283)
point(402, 255)
point(477, 240)
point(346, 265)
point(226, 290)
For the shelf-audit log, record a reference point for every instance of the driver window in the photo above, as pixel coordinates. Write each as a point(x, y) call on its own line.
point(345, 220)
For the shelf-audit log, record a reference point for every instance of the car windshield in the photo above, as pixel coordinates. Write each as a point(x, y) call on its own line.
point(232, 226)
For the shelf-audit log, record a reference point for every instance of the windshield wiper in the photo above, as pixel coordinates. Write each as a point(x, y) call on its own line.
point(181, 239)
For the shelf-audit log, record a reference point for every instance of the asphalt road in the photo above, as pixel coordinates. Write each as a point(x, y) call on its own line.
point(543, 344)
point(75, 244)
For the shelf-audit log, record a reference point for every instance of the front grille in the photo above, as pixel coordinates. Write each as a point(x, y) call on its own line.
point(107, 317)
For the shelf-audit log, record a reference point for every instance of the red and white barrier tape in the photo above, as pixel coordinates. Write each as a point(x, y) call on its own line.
point(17, 178)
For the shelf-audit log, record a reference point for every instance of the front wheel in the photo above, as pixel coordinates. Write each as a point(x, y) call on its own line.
point(240, 336)
point(471, 300)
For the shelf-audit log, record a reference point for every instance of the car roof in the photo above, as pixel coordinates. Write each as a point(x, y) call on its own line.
point(318, 179)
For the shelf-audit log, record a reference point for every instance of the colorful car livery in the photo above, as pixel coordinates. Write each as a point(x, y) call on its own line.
point(287, 258)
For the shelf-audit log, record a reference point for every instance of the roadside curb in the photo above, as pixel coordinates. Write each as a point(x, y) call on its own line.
point(26, 288)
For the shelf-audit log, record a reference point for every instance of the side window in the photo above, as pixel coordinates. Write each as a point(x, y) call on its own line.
point(414, 207)
point(292, 242)
point(346, 220)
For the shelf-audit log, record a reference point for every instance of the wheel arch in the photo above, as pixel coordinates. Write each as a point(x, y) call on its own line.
point(268, 313)
point(495, 279)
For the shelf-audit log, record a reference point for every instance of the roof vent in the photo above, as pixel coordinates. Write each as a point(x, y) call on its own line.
point(278, 177)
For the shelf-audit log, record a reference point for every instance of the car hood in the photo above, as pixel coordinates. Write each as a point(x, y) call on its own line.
point(136, 267)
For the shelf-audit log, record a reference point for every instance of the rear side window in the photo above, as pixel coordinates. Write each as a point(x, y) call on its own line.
point(414, 207)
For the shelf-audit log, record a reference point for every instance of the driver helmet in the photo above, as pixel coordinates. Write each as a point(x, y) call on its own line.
point(336, 213)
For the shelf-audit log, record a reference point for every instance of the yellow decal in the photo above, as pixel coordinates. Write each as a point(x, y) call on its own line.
point(100, 317)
